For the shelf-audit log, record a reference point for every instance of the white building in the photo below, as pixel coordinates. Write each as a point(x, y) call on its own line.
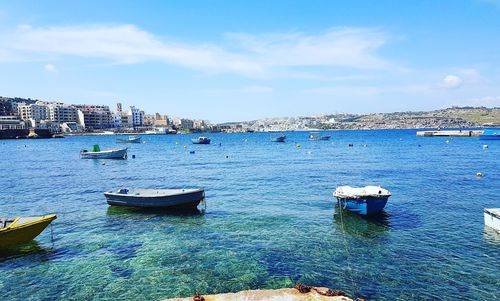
point(137, 117)
point(33, 112)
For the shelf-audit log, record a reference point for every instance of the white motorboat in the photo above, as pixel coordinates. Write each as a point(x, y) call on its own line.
point(130, 139)
point(97, 153)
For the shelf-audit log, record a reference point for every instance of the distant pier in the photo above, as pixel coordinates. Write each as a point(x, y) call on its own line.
point(450, 133)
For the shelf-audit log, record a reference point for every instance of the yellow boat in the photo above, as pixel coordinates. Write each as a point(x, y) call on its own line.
point(15, 231)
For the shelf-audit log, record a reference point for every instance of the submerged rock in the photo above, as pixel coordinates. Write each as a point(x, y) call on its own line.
point(283, 294)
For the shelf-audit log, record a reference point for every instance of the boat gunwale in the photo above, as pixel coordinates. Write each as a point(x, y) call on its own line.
point(105, 151)
point(492, 213)
point(46, 218)
point(191, 190)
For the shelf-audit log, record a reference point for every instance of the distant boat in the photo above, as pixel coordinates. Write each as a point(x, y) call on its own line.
point(18, 230)
point(490, 134)
point(96, 153)
point(279, 138)
point(201, 140)
point(155, 198)
point(366, 200)
point(130, 139)
point(318, 137)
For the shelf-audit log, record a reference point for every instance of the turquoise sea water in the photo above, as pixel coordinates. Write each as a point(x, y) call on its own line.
point(270, 219)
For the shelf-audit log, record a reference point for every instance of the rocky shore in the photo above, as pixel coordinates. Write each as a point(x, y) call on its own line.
point(302, 293)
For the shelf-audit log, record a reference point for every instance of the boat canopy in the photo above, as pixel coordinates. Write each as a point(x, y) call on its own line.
point(359, 192)
point(96, 148)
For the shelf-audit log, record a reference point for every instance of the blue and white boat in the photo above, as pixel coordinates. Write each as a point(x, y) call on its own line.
point(279, 138)
point(368, 200)
point(490, 134)
point(201, 140)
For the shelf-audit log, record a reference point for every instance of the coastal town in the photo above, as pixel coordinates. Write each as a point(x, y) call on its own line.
point(55, 118)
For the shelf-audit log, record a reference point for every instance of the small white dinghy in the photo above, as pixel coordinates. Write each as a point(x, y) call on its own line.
point(155, 198)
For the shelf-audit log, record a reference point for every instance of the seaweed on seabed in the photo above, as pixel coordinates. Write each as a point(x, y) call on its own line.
point(304, 289)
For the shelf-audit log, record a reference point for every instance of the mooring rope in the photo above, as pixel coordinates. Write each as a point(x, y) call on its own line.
point(354, 286)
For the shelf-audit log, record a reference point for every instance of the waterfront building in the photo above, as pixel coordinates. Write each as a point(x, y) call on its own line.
point(118, 107)
point(11, 123)
point(34, 112)
point(161, 120)
point(117, 120)
point(149, 120)
point(137, 117)
point(187, 124)
point(60, 112)
point(96, 116)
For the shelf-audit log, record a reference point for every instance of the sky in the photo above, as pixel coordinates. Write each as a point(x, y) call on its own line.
point(243, 60)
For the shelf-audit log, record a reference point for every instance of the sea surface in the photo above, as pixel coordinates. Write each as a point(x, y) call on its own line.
point(270, 218)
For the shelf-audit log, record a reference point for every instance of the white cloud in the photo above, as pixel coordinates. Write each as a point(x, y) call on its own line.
point(50, 68)
point(451, 82)
point(250, 55)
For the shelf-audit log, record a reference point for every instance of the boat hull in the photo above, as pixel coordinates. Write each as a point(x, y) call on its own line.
point(489, 137)
point(364, 206)
point(134, 140)
point(185, 200)
point(196, 141)
point(114, 154)
point(19, 233)
point(278, 139)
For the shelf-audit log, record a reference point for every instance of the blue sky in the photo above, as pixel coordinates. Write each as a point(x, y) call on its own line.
point(236, 60)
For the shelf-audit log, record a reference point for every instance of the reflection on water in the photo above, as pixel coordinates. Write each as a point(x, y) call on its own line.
point(29, 248)
point(491, 235)
point(367, 226)
point(117, 210)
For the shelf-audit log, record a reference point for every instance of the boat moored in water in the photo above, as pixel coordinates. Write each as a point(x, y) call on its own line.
point(97, 153)
point(281, 138)
point(156, 198)
point(318, 137)
point(368, 200)
point(490, 134)
point(130, 139)
point(19, 230)
point(201, 140)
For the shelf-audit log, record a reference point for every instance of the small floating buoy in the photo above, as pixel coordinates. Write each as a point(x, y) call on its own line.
point(351, 145)
point(447, 141)
point(480, 174)
point(227, 157)
point(220, 143)
point(133, 156)
point(103, 163)
point(365, 145)
point(185, 146)
point(298, 145)
point(419, 145)
point(485, 146)
point(191, 152)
